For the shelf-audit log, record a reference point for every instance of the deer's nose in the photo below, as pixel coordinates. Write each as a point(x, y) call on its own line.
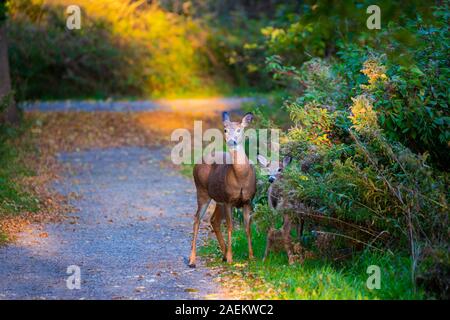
point(271, 179)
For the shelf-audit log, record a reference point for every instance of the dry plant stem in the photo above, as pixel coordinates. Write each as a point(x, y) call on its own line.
point(398, 195)
point(350, 238)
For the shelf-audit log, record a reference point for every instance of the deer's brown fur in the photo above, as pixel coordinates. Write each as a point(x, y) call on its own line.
point(230, 184)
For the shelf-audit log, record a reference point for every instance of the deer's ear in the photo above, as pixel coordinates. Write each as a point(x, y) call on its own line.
point(247, 119)
point(225, 117)
point(262, 160)
point(286, 161)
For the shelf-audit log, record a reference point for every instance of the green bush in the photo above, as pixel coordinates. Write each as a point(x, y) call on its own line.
point(370, 134)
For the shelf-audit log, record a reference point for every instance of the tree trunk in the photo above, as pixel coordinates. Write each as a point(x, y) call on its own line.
point(11, 114)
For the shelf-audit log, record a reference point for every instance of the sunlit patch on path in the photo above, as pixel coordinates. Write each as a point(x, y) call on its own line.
point(180, 105)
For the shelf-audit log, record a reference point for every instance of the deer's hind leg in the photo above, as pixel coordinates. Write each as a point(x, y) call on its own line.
point(248, 229)
point(269, 243)
point(300, 227)
point(286, 229)
point(229, 219)
point(203, 201)
point(216, 221)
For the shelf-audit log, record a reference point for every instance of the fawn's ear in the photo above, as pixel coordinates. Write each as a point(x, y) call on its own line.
point(262, 160)
point(225, 117)
point(247, 119)
point(286, 161)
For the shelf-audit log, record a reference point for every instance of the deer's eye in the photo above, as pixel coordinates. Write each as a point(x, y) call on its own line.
point(279, 169)
point(238, 130)
point(225, 130)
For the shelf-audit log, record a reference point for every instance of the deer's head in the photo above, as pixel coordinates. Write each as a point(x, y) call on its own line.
point(234, 131)
point(273, 168)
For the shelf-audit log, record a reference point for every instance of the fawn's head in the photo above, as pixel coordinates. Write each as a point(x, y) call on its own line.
point(273, 168)
point(234, 131)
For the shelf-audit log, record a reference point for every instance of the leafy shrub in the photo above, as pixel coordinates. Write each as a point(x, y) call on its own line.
point(413, 102)
point(370, 136)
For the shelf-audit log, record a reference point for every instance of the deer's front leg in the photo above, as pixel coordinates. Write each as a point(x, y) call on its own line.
point(248, 230)
point(203, 203)
point(229, 219)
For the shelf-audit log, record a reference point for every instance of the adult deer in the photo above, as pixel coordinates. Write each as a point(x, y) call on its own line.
point(230, 183)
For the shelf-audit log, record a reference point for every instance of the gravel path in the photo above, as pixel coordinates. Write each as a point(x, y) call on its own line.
point(198, 105)
point(130, 237)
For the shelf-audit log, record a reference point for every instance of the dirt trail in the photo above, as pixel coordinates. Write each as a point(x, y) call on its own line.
point(130, 237)
point(131, 234)
point(187, 105)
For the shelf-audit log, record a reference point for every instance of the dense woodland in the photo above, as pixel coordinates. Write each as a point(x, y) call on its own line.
point(364, 113)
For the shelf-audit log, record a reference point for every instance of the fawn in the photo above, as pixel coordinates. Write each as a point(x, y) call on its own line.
point(277, 201)
point(231, 183)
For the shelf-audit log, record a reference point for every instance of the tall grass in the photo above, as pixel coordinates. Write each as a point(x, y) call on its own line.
point(14, 199)
point(315, 278)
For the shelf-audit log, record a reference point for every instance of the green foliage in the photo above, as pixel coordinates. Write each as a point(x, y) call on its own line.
point(410, 94)
point(388, 194)
point(133, 51)
point(296, 38)
point(3, 11)
point(314, 29)
point(370, 134)
point(237, 44)
point(415, 110)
